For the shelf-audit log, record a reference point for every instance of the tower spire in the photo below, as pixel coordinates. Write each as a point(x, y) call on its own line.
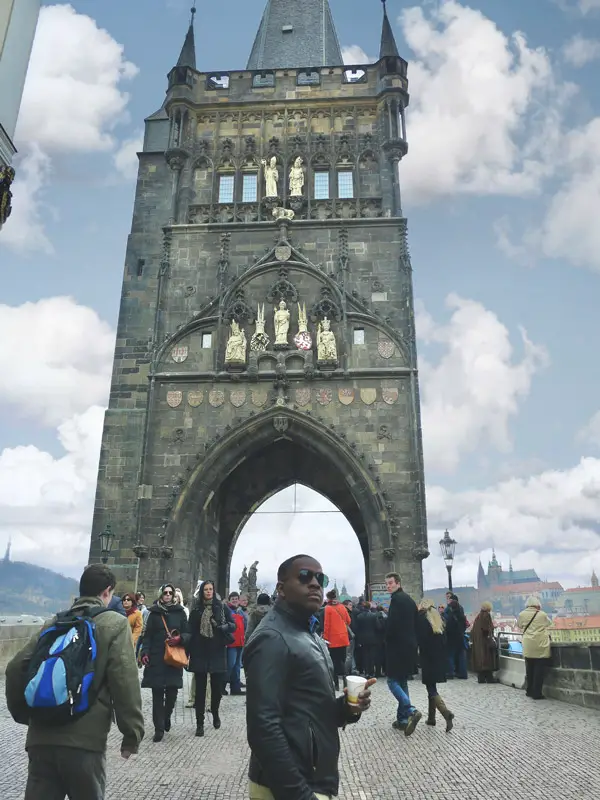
point(187, 57)
point(388, 42)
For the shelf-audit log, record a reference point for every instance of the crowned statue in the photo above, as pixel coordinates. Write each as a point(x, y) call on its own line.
point(260, 340)
point(271, 176)
point(326, 346)
point(282, 324)
point(296, 178)
point(236, 345)
point(303, 339)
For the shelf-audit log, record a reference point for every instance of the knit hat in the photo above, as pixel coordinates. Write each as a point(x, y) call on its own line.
point(263, 600)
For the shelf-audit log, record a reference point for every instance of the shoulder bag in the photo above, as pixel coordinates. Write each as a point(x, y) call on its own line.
point(175, 655)
point(526, 628)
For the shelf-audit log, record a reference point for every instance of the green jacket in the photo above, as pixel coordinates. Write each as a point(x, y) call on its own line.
point(115, 681)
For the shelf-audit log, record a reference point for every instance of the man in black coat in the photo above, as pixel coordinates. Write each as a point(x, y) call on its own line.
point(292, 713)
point(401, 652)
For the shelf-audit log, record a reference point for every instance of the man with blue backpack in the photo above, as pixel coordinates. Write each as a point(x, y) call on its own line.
point(67, 684)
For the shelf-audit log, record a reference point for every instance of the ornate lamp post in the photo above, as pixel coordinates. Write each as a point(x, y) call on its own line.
point(448, 546)
point(106, 542)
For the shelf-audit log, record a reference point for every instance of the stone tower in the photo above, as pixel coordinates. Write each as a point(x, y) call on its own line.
point(266, 331)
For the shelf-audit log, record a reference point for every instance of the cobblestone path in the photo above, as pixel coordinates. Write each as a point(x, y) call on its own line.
point(503, 747)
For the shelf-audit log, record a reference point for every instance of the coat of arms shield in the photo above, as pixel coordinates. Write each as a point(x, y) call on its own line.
point(368, 396)
point(346, 396)
point(237, 397)
point(179, 354)
point(195, 398)
point(303, 340)
point(324, 396)
point(216, 397)
point(259, 397)
point(303, 396)
point(390, 395)
point(281, 424)
point(174, 398)
point(385, 348)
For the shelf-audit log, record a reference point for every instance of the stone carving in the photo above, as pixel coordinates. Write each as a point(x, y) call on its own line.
point(346, 396)
point(237, 397)
point(259, 397)
point(282, 324)
point(303, 339)
point(174, 398)
point(296, 178)
point(216, 397)
point(179, 354)
point(283, 252)
point(324, 396)
point(281, 424)
point(260, 340)
point(236, 345)
point(243, 581)
point(195, 398)
point(385, 348)
point(368, 396)
point(7, 176)
point(389, 553)
point(384, 433)
point(327, 306)
point(283, 289)
point(326, 346)
point(389, 395)
point(271, 176)
point(252, 573)
point(303, 396)
point(178, 435)
point(283, 213)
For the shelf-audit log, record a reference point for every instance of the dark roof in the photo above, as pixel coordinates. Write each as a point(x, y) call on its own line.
point(187, 57)
point(519, 576)
point(296, 33)
point(388, 42)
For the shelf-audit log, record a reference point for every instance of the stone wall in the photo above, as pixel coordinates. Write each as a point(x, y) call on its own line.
point(12, 639)
point(575, 674)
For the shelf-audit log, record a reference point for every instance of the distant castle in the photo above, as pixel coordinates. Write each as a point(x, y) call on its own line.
point(496, 576)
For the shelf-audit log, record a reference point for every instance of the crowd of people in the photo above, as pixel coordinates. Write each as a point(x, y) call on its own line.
point(297, 653)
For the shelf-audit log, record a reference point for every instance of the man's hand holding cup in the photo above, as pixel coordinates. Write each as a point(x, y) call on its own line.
point(358, 693)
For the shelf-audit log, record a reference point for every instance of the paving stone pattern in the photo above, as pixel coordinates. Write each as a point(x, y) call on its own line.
point(503, 747)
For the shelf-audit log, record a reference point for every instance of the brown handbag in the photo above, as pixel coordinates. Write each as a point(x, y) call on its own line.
point(175, 655)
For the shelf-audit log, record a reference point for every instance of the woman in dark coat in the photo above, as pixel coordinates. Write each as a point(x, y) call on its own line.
point(211, 630)
point(432, 651)
point(485, 652)
point(164, 680)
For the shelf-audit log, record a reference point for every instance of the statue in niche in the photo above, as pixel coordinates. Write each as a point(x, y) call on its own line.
point(236, 345)
point(282, 323)
point(303, 339)
point(260, 340)
point(326, 346)
point(296, 178)
point(271, 176)
point(243, 581)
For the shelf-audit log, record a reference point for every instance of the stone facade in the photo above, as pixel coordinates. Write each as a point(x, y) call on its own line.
point(192, 443)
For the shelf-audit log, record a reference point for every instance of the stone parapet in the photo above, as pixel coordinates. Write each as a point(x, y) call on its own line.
point(575, 674)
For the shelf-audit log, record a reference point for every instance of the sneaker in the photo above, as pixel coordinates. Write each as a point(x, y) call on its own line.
point(190, 704)
point(399, 726)
point(413, 720)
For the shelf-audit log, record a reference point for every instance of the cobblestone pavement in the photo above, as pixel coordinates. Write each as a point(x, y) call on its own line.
point(503, 747)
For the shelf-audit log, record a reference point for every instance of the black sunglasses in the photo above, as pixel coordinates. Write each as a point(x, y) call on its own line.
point(167, 591)
point(305, 576)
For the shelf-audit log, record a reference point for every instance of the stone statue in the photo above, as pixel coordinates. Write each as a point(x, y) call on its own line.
point(296, 179)
point(243, 581)
point(236, 346)
point(271, 176)
point(282, 323)
point(260, 340)
point(303, 339)
point(252, 572)
point(326, 346)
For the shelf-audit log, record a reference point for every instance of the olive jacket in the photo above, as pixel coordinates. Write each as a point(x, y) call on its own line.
point(115, 681)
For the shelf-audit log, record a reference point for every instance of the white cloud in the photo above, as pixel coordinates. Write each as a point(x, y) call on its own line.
point(354, 54)
point(24, 231)
point(586, 6)
point(579, 51)
point(126, 159)
point(484, 106)
point(470, 395)
point(55, 358)
point(46, 503)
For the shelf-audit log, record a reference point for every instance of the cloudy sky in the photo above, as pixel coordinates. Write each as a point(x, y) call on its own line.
point(502, 190)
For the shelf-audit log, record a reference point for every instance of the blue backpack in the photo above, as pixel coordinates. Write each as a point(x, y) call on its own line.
point(62, 668)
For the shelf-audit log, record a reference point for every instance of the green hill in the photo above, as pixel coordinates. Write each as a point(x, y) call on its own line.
point(27, 589)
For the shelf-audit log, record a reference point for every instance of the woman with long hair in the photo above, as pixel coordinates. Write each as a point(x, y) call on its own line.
point(484, 649)
point(432, 650)
point(134, 616)
point(211, 630)
point(166, 623)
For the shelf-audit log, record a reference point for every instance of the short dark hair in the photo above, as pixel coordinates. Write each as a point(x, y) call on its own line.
point(284, 569)
point(96, 578)
point(233, 594)
point(395, 576)
point(332, 594)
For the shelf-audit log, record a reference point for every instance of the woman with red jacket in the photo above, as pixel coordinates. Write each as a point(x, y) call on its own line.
point(336, 622)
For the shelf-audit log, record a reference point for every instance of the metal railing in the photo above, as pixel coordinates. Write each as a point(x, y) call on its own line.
point(510, 644)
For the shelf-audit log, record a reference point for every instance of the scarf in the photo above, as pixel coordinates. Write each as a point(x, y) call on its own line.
point(131, 610)
point(206, 628)
point(166, 607)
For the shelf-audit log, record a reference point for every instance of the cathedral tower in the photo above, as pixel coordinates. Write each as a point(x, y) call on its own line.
point(266, 331)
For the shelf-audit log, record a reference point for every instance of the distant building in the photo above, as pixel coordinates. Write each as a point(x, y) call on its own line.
point(468, 597)
point(511, 598)
point(18, 21)
point(496, 576)
point(581, 602)
point(576, 629)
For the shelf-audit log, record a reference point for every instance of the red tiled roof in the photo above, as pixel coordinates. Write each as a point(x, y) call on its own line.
point(584, 589)
point(572, 623)
point(524, 588)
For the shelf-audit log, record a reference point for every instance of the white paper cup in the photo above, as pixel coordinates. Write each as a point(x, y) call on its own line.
point(355, 685)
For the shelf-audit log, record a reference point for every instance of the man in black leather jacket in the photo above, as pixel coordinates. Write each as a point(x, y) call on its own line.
point(292, 713)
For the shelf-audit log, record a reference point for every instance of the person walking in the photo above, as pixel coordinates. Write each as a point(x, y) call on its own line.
point(166, 623)
point(235, 648)
point(140, 600)
point(70, 759)
point(211, 629)
point(456, 625)
point(483, 645)
point(535, 625)
point(336, 622)
point(367, 633)
point(134, 617)
point(292, 713)
point(401, 652)
point(256, 616)
point(432, 657)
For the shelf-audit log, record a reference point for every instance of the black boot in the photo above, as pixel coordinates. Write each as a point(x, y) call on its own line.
point(158, 736)
point(431, 709)
point(199, 728)
point(170, 700)
point(215, 704)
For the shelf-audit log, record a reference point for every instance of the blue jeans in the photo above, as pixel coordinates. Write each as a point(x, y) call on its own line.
point(457, 663)
point(400, 691)
point(234, 666)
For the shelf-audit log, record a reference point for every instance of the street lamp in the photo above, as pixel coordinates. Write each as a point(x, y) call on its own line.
point(106, 542)
point(447, 546)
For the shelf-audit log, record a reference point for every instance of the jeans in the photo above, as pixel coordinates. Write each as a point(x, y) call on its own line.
point(400, 691)
point(234, 666)
point(56, 772)
point(457, 661)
